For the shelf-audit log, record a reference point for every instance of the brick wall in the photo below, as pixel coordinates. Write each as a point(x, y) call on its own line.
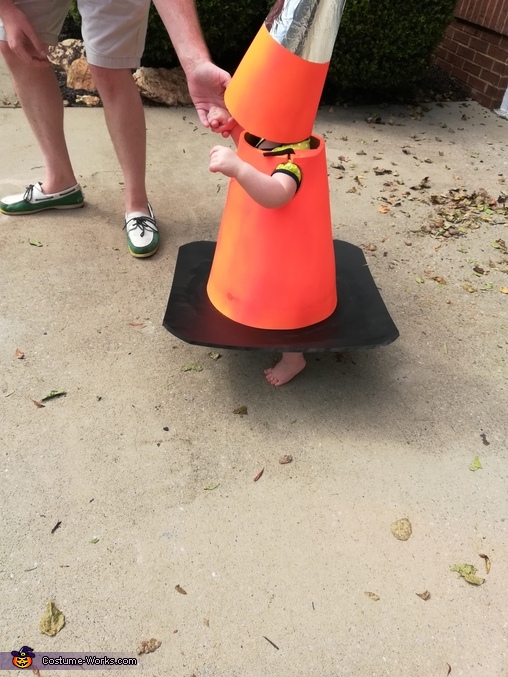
point(475, 49)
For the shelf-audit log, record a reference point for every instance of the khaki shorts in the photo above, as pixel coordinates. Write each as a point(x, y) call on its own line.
point(114, 31)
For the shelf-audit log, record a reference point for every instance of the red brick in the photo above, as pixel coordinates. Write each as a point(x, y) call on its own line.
point(479, 44)
point(495, 94)
point(452, 33)
point(451, 45)
point(483, 60)
point(458, 73)
point(498, 53)
point(466, 53)
point(489, 77)
point(475, 82)
point(500, 67)
point(492, 90)
point(474, 69)
point(456, 60)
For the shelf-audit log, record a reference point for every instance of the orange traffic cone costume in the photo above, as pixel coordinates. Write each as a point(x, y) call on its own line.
point(275, 268)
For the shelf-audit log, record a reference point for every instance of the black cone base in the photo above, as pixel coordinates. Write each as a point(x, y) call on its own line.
point(360, 321)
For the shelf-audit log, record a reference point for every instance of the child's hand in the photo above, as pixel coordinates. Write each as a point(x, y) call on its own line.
point(220, 121)
point(224, 160)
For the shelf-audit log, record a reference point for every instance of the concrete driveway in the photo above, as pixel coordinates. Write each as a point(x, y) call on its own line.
point(148, 472)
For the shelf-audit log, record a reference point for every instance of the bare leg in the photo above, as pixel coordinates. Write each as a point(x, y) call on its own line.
point(39, 95)
point(125, 119)
point(289, 366)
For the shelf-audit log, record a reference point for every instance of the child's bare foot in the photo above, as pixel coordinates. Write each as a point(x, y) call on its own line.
point(289, 366)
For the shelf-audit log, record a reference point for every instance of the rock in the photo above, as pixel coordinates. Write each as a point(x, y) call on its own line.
point(67, 51)
point(89, 100)
point(79, 76)
point(163, 85)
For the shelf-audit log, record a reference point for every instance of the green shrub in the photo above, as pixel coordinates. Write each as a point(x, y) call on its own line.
point(385, 45)
point(228, 28)
point(382, 45)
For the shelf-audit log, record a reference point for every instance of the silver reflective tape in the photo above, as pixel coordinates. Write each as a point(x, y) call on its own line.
point(308, 28)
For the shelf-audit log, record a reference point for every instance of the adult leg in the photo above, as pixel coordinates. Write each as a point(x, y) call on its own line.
point(125, 119)
point(39, 95)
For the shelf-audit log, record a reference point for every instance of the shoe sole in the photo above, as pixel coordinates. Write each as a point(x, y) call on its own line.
point(42, 209)
point(143, 256)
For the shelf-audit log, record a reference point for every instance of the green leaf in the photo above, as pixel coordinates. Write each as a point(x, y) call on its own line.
point(211, 487)
point(468, 572)
point(475, 465)
point(192, 367)
point(35, 243)
point(52, 394)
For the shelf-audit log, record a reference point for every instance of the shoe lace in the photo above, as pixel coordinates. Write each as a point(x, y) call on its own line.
point(28, 192)
point(144, 223)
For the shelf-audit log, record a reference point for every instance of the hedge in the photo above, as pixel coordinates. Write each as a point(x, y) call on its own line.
point(382, 45)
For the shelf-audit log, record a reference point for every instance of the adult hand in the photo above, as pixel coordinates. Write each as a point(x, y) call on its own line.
point(224, 160)
point(22, 38)
point(207, 83)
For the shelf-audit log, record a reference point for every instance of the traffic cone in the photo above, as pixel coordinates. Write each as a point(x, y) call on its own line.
point(275, 268)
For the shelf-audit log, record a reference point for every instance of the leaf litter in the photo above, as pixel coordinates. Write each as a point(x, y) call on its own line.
point(52, 394)
point(468, 572)
point(52, 620)
point(192, 367)
point(402, 529)
point(475, 464)
point(459, 211)
point(424, 595)
point(148, 646)
point(487, 562)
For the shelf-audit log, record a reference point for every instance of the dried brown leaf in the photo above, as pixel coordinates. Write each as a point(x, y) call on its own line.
point(424, 595)
point(148, 646)
point(39, 405)
point(259, 474)
point(487, 562)
point(179, 589)
point(373, 596)
point(402, 529)
point(52, 620)
point(287, 458)
point(241, 411)
point(19, 354)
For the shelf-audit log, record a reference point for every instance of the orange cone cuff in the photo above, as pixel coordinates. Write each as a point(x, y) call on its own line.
point(279, 107)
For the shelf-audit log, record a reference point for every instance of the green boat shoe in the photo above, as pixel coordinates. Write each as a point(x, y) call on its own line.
point(142, 233)
point(33, 200)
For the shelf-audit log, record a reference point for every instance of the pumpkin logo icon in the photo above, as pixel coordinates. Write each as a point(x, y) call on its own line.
point(23, 658)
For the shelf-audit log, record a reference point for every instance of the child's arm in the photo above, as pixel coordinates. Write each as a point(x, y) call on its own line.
point(268, 191)
point(221, 121)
